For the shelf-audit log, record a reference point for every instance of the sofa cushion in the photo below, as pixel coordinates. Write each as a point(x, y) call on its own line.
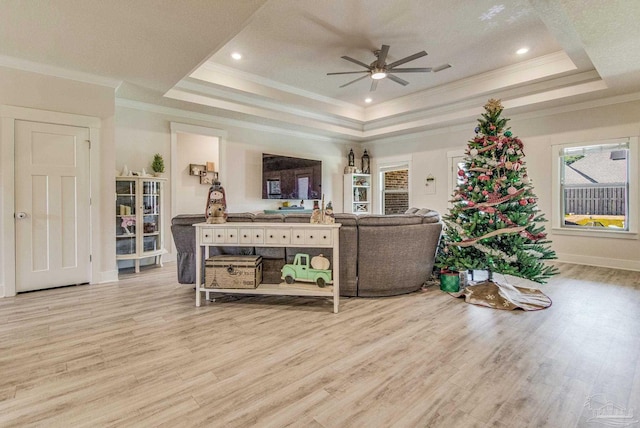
point(394, 260)
point(240, 217)
point(388, 220)
point(188, 219)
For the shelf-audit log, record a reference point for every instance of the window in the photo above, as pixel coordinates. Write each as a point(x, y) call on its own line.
point(395, 189)
point(594, 190)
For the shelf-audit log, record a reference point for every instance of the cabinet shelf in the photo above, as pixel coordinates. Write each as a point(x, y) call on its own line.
point(357, 193)
point(282, 289)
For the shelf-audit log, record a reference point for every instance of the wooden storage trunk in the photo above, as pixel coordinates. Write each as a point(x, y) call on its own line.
point(231, 271)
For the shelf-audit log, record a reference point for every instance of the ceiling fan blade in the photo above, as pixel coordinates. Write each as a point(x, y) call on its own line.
point(397, 80)
point(354, 81)
point(355, 61)
point(442, 67)
point(374, 85)
point(348, 72)
point(407, 59)
point(411, 70)
point(382, 56)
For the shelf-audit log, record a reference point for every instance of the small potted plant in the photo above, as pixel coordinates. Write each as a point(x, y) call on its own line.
point(157, 166)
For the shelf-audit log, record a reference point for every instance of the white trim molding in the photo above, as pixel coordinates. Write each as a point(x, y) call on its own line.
point(599, 261)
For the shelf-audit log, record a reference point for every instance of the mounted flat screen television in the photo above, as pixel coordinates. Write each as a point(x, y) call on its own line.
point(285, 177)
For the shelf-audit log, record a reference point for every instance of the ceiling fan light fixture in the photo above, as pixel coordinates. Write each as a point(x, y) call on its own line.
point(378, 73)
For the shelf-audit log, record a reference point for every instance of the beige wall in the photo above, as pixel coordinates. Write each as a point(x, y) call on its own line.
point(140, 134)
point(244, 149)
point(190, 195)
point(428, 154)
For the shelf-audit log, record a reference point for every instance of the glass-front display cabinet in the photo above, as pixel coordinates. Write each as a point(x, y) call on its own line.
point(139, 231)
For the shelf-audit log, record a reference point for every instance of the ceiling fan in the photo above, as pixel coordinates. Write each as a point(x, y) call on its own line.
point(379, 69)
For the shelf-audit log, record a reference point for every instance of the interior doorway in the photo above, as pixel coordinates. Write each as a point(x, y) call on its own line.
point(191, 144)
point(394, 182)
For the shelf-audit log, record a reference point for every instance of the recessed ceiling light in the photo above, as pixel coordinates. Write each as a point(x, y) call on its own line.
point(522, 51)
point(367, 100)
point(236, 56)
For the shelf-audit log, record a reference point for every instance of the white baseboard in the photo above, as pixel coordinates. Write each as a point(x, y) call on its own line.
point(599, 261)
point(107, 276)
point(2, 290)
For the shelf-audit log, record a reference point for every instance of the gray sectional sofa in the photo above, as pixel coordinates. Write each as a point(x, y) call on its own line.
point(379, 255)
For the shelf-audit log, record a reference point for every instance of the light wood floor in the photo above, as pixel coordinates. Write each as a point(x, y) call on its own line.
point(139, 353)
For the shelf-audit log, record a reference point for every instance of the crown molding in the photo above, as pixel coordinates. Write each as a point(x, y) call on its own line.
point(221, 69)
point(252, 100)
point(542, 89)
point(265, 114)
point(481, 84)
point(63, 73)
point(471, 120)
point(217, 121)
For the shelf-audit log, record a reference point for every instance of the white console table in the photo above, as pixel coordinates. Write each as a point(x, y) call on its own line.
point(301, 235)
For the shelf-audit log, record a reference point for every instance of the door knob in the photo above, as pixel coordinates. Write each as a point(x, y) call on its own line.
point(21, 215)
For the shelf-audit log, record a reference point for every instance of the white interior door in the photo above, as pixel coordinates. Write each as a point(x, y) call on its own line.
point(52, 191)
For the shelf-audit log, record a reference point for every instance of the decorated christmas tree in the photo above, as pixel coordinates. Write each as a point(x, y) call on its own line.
point(494, 224)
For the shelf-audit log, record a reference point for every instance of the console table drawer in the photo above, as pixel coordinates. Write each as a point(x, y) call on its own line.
point(251, 236)
point(231, 236)
point(206, 236)
point(317, 237)
point(312, 237)
point(219, 236)
point(277, 236)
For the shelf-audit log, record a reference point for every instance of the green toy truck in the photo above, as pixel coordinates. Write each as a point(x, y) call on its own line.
point(300, 270)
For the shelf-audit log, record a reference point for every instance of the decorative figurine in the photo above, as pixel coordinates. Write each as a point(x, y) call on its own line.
point(216, 210)
point(328, 217)
point(366, 168)
point(304, 269)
